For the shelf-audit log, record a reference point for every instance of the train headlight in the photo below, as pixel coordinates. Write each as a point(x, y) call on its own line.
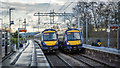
point(43, 43)
point(68, 43)
point(56, 43)
point(80, 43)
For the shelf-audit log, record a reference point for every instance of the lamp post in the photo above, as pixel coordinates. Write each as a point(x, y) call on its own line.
point(1, 22)
point(1, 43)
point(25, 29)
point(10, 26)
point(118, 39)
point(86, 23)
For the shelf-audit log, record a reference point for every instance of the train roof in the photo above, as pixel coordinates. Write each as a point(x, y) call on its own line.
point(72, 29)
point(49, 30)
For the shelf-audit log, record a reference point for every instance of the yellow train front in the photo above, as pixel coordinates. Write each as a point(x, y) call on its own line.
point(49, 40)
point(71, 40)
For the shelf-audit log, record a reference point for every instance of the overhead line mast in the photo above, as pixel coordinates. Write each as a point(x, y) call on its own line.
point(52, 14)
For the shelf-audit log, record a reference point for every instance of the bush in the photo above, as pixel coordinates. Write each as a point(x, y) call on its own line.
point(13, 40)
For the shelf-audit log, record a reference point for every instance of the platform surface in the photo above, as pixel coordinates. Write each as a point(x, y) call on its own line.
point(103, 49)
point(29, 55)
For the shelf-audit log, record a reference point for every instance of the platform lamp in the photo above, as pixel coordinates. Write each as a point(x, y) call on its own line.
point(11, 22)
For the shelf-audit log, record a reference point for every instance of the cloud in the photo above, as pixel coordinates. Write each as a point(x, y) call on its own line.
point(35, 1)
point(26, 10)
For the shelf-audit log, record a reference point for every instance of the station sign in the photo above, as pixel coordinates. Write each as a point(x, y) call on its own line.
point(8, 30)
point(114, 26)
point(22, 30)
point(11, 22)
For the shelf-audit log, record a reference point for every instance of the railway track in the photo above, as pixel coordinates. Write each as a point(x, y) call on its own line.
point(55, 61)
point(73, 60)
point(91, 62)
point(62, 60)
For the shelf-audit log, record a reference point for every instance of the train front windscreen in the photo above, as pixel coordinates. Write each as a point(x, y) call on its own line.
point(73, 36)
point(51, 36)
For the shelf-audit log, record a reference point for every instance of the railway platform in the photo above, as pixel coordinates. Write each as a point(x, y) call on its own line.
point(108, 56)
point(103, 49)
point(29, 55)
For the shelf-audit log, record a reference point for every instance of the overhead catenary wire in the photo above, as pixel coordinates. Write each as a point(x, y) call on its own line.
point(68, 6)
point(48, 5)
point(63, 5)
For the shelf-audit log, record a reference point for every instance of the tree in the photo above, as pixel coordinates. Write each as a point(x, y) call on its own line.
point(15, 35)
point(97, 14)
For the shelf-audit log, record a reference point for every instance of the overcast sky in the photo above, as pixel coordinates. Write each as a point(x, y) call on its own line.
point(39, 1)
point(26, 9)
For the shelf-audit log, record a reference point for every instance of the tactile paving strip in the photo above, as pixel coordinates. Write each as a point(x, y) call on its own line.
point(41, 59)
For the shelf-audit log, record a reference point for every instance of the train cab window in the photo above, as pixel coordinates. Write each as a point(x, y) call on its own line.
point(50, 36)
point(73, 35)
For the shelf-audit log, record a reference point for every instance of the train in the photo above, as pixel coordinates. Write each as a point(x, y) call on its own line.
point(49, 40)
point(70, 40)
